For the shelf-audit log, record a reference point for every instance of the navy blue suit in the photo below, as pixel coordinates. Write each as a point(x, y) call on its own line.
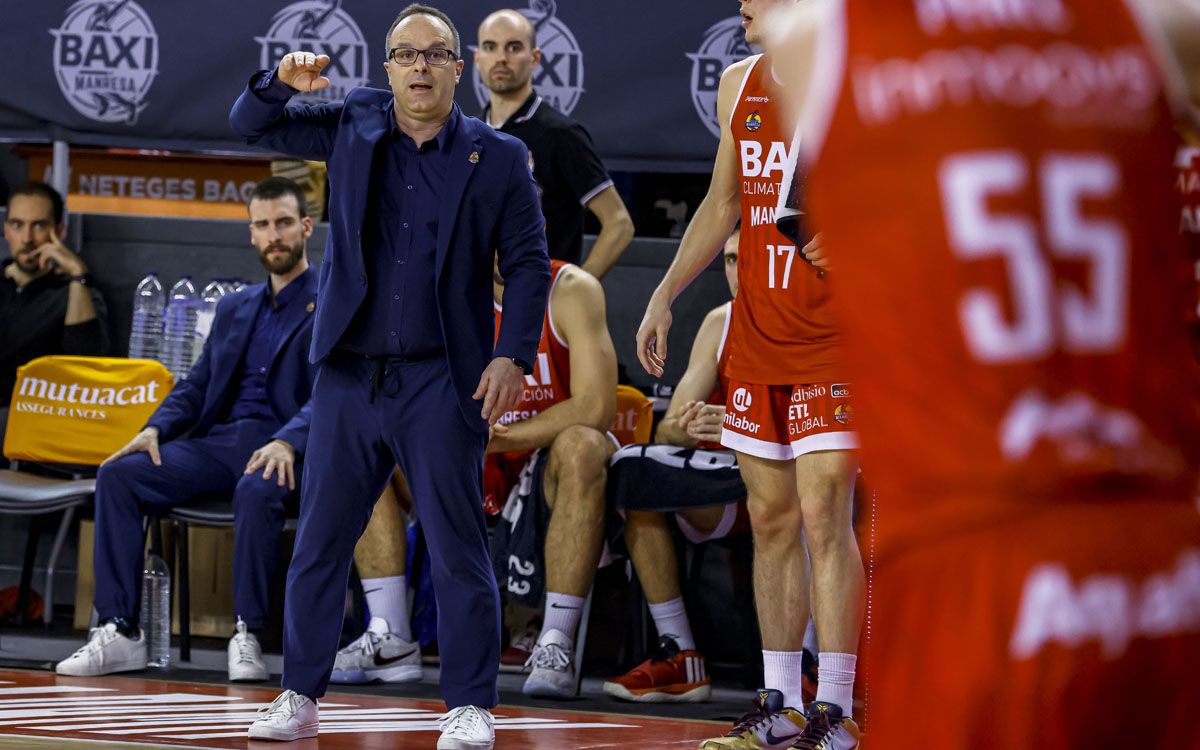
point(205, 454)
point(370, 414)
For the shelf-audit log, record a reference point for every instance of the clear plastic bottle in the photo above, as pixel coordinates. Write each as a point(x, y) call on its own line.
point(179, 333)
point(146, 329)
point(206, 310)
point(156, 611)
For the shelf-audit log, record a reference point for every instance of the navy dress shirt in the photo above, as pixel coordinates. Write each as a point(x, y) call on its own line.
point(249, 400)
point(399, 316)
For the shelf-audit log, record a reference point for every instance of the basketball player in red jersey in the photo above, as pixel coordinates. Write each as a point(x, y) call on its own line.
point(546, 465)
point(788, 414)
point(1022, 366)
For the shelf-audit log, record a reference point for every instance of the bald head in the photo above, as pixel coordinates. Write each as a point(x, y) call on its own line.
point(507, 54)
point(508, 24)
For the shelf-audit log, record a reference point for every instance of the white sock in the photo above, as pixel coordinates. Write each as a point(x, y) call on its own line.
point(835, 680)
point(784, 671)
point(562, 614)
point(671, 620)
point(388, 598)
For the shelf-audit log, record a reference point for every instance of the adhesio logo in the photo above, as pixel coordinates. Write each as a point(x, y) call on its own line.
point(323, 28)
point(106, 58)
point(559, 78)
point(724, 44)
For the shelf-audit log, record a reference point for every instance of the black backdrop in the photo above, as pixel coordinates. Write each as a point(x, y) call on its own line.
point(641, 75)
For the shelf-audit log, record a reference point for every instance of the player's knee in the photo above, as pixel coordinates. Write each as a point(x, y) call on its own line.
point(257, 495)
point(827, 515)
point(581, 453)
point(772, 519)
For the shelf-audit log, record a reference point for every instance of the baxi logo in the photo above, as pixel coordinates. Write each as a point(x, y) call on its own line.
point(724, 44)
point(742, 399)
point(559, 78)
point(323, 28)
point(106, 58)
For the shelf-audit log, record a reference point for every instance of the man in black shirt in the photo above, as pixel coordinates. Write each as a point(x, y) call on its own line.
point(48, 304)
point(568, 171)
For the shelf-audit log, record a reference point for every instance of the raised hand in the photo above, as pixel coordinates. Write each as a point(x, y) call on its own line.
point(302, 71)
point(54, 254)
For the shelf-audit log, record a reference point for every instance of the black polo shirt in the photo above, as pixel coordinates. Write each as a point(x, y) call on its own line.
point(31, 325)
point(565, 165)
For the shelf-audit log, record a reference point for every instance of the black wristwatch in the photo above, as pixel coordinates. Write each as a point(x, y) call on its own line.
point(85, 279)
point(525, 367)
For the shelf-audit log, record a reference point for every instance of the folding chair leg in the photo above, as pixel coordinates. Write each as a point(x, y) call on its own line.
point(59, 539)
point(581, 639)
point(185, 595)
point(31, 545)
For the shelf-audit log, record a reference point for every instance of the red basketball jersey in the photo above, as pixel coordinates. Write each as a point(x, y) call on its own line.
point(550, 381)
point(993, 183)
point(1187, 183)
point(782, 326)
point(721, 390)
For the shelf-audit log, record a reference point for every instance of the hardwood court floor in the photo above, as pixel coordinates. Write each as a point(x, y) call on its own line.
point(42, 710)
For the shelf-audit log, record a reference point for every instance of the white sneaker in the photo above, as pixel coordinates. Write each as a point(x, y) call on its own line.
point(106, 652)
point(245, 656)
point(291, 717)
point(467, 728)
point(553, 667)
point(378, 656)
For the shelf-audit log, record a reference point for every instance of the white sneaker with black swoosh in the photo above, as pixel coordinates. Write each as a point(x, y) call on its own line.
point(378, 656)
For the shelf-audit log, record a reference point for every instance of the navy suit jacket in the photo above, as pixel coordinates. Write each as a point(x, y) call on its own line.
point(490, 205)
point(197, 404)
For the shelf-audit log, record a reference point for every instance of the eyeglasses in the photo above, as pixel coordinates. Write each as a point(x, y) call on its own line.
point(406, 56)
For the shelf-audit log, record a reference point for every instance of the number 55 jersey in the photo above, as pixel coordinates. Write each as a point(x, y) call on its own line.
point(1017, 286)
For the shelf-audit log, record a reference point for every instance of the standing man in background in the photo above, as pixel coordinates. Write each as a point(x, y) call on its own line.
point(424, 198)
point(788, 415)
point(569, 174)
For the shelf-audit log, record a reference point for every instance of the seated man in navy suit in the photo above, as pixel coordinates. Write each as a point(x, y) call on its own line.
point(235, 426)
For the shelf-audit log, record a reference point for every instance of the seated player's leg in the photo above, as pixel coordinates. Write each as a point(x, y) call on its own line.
point(125, 490)
point(573, 486)
point(825, 482)
point(677, 672)
point(781, 595)
point(386, 651)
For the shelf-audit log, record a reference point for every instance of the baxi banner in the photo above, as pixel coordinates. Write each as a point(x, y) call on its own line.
point(642, 77)
point(79, 410)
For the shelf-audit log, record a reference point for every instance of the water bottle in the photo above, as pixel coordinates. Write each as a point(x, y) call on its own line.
point(179, 333)
point(156, 611)
point(206, 310)
point(240, 284)
point(146, 330)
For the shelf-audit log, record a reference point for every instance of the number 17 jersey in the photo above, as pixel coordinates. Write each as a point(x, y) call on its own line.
point(781, 331)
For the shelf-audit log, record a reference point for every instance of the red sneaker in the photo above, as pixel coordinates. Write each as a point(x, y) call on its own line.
point(671, 676)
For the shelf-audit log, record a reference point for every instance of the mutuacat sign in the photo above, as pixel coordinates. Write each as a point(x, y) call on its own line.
point(74, 393)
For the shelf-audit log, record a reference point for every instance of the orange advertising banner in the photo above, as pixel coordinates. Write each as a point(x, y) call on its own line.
point(79, 410)
point(117, 181)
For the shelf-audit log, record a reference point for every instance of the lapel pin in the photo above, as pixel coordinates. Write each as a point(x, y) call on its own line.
point(474, 157)
point(311, 306)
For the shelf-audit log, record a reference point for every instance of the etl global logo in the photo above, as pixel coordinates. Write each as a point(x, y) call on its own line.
point(724, 44)
point(106, 58)
point(323, 28)
point(559, 78)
